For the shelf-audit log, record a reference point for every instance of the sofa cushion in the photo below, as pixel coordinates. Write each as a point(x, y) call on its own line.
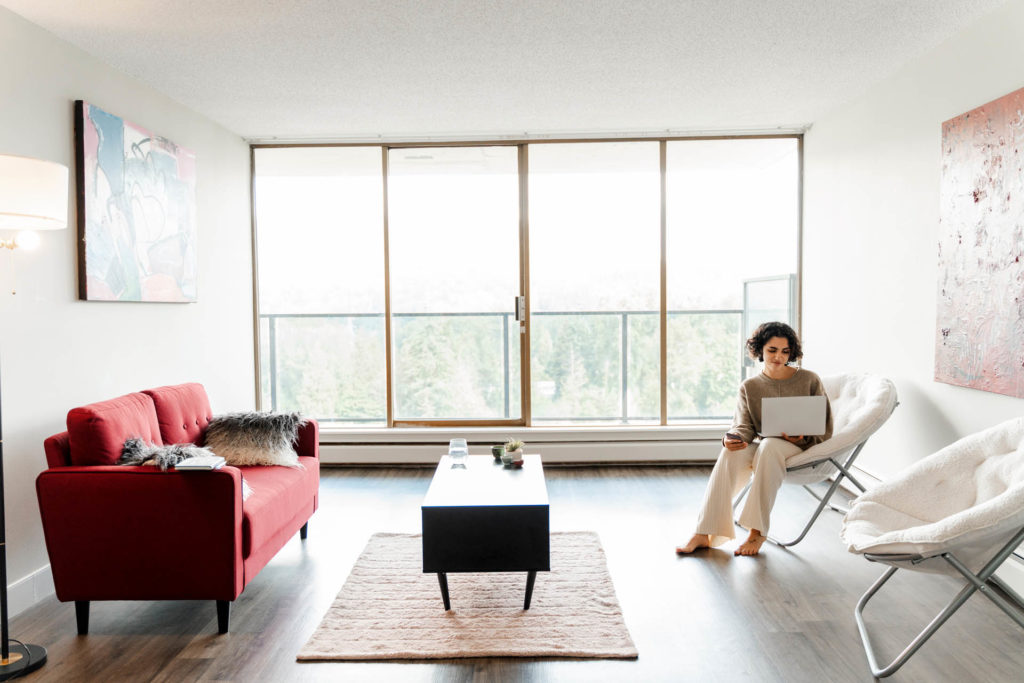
point(251, 438)
point(279, 495)
point(183, 412)
point(97, 432)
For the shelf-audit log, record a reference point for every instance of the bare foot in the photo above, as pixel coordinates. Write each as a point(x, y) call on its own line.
point(698, 541)
point(752, 545)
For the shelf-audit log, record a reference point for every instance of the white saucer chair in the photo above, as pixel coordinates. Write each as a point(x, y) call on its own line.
point(861, 403)
point(959, 511)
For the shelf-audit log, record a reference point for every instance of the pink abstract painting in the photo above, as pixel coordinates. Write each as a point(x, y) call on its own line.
point(980, 321)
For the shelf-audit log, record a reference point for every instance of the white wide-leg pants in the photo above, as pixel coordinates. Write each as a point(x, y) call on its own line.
point(767, 462)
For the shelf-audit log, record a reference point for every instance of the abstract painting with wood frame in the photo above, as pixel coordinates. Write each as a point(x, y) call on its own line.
point(136, 212)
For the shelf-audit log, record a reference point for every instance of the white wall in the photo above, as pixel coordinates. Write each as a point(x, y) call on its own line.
point(57, 352)
point(871, 234)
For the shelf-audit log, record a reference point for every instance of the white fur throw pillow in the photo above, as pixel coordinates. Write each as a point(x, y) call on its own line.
point(138, 452)
point(255, 438)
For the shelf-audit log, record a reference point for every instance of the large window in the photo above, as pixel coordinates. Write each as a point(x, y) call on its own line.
point(598, 282)
point(320, 241)
point(732, 216)
point(595, 225)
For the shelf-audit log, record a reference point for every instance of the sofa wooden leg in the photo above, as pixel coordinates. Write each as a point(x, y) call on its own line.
point(82, 616)
point(304, 531)
point(223, 615)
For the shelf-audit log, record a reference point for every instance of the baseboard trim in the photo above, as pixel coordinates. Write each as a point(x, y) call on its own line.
point(30, 590)
point(597, 453)
point(863, 476)
point(1012, 572)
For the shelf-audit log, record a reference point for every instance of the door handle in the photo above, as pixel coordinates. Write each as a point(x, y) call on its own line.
point(520, 308)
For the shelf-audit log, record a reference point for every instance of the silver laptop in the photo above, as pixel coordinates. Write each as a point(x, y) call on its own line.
point(794, 415)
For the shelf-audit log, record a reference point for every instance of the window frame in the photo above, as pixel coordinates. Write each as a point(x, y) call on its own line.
point(523, 145)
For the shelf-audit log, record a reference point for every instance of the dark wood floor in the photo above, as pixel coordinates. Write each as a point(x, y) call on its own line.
point(783, 616)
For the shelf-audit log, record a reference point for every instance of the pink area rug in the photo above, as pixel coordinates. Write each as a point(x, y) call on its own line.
point(389, 609)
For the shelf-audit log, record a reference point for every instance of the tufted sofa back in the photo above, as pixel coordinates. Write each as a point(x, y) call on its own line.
point(97, 432)
point(183, 412)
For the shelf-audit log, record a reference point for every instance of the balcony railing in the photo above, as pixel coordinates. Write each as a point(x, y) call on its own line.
point(507, 321)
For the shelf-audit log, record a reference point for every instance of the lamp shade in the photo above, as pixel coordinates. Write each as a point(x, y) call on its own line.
point(33, 194)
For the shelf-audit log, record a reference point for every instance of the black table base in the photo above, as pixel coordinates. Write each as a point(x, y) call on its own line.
point(504, 530)
point(442, 579)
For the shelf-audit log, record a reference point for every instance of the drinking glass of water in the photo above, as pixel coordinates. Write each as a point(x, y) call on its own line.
point(459, 451)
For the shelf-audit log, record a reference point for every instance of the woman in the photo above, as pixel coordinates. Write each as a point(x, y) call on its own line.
point(743, 452)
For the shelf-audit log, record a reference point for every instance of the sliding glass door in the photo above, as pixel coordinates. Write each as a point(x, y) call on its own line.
point(453, 236)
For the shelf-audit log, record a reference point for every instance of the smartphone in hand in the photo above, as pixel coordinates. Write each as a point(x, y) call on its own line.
point(733, 436)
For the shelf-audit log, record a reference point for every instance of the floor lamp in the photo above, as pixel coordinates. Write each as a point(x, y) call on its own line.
point(33, 196)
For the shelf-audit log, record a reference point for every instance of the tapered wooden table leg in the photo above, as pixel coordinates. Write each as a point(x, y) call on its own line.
point(530, 577)
point(442, 578)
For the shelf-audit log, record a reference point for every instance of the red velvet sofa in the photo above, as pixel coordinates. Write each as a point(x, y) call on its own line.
point(116, 532)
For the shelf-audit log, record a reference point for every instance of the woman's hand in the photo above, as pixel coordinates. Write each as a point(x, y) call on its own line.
point(793, 439)
point(734, 444)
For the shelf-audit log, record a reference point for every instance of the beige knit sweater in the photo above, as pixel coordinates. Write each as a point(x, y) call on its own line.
point(747, 420)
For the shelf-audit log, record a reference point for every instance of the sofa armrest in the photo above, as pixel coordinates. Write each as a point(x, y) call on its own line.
point(307, 443)
point(58, 450)
point(138, 533)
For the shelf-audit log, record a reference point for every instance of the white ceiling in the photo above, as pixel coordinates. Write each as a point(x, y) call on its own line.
point(403, 69)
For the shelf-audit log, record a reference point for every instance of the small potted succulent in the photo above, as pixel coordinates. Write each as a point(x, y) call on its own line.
point(513, 452)
point(498, 451)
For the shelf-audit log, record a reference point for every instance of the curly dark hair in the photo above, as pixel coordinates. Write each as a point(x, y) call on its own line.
point(764, 332)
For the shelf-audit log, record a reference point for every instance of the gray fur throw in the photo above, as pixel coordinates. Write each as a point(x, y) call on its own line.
point(138, 452)
point(255, 438)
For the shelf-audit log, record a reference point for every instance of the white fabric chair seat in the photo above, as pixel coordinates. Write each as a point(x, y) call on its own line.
point(967, 497)
point(861, 403)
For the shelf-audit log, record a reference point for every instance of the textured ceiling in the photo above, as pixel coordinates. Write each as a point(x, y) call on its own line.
point(362, 69)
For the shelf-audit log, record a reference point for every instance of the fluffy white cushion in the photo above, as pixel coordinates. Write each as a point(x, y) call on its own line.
point(138, 452)
point(244, 439)
point(861, 403)
point(967, 497)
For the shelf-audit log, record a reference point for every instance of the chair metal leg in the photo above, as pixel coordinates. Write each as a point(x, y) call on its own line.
point(823, 501)
point(742, 494)
point(831, 506)
point(814, 517)
point(807, 527)
point(845, 468)
point(982, 581)
point(917, 642)
point(1014, 595)
point(844, 472)
point(739, 499)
